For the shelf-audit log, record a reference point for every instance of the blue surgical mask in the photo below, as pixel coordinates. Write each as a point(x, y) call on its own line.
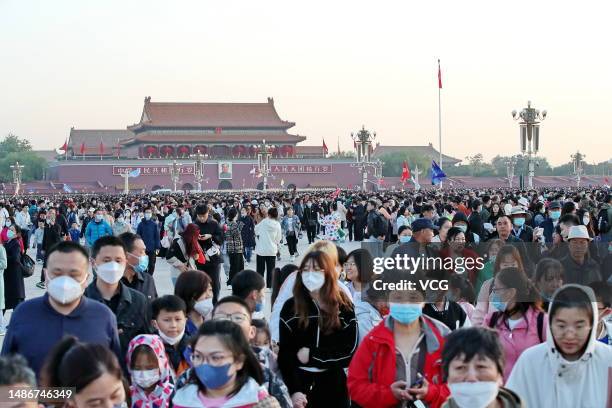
point(463, 228)
point(213, 377)
point(259, 306)
point(519, 222)
point(492, 258)
point(143, 264)
point(405, 238)
point(405, 313)
point(10, 234)
point(497, 303)
point(555, 215)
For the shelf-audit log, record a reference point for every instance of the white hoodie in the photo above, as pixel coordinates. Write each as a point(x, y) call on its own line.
point(268, 237)
point(544, 379)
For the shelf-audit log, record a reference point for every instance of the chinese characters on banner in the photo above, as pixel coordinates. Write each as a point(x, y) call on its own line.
point(151, 170)
point(188, 169)
point(301, 168)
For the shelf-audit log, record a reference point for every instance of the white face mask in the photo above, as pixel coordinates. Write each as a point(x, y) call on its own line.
point(313, 280)
point(474, 394)
point(171, 340)
point(64, 289)
point(146, 378)
point(110, 272)
point(203, 307)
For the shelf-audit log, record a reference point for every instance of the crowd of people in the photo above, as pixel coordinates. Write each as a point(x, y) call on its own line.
point(525, 319)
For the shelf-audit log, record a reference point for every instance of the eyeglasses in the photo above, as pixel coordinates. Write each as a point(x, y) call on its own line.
point(237, 317)
point(216, 359)
point(497, 290)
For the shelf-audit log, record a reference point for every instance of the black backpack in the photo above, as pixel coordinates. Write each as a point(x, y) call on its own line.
point(540, 323)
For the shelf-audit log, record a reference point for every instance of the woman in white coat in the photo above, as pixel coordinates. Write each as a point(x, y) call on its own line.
point(571, 369)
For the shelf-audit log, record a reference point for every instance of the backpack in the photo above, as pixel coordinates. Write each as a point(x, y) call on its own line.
point(539, 322)
point(380, 226)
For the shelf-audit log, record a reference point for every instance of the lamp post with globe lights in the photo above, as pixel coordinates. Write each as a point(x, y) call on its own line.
point(363, 141)
point(17, 171)
point(510, 164)
point(530, 119)
point(198, 168)
point(578, 162)
point(263, 162)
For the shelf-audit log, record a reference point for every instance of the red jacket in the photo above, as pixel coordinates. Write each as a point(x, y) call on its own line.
point(373, 369)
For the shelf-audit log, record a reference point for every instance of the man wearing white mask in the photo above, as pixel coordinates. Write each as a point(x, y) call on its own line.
point(39, 323)
point(473, 364)
point(108, 260)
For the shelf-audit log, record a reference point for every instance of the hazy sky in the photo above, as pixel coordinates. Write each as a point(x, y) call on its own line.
point(330, 65)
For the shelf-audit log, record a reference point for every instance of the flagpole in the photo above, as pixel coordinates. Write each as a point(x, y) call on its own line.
point(440, 115)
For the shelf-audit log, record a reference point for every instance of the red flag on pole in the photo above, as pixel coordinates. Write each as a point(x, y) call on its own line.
point(82, 148)
point(439, 76)
point(405, 172)
point(101, 148)
point(64, 146)
point(325, 150)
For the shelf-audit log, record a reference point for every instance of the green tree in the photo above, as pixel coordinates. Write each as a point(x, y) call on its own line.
point(393, 163)
point(13, 150)
point(12, 143)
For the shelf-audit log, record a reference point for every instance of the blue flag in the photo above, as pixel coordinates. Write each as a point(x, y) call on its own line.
point(437, 175)
point(135, 172)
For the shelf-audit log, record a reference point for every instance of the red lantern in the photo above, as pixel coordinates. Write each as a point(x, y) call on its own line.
point(151, 150)
point(183, 150)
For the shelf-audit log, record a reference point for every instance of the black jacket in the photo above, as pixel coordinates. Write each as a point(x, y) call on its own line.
point(331, 351)
point(311, 217)
point(476, 224)
point(132, 312)
point(248, 232)
point(143, 283)
point(211, 227)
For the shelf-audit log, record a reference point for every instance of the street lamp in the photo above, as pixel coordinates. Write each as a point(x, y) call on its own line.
point(510, 164)
point(174, 173)
point(578, 162)
point(363, 145)
point(17, 170)
point(263, 162)
point(198, 168)
point(530, 119)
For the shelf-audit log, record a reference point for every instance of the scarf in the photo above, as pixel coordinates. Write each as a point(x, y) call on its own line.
point(161, 395)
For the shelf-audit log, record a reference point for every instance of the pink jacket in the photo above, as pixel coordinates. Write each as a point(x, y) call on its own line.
point(482, 303)
point(523, 336)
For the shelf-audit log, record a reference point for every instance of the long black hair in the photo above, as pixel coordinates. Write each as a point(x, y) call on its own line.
point(232, 337)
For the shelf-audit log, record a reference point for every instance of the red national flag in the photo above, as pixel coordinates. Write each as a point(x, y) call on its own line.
point(64, 146)
point(405, 172)
point(325, 150)
point(82, 148)
point(439, 76)
point(606, 180)
point(335, 194)
point(101, 147)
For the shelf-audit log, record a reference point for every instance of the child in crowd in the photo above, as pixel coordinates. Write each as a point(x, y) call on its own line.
point(169, 320)
point(75, 232)
point(39, 234)
point(150, 372)
point(262, 334)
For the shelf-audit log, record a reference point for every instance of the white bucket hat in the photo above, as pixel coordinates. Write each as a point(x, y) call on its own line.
point(579, 231)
